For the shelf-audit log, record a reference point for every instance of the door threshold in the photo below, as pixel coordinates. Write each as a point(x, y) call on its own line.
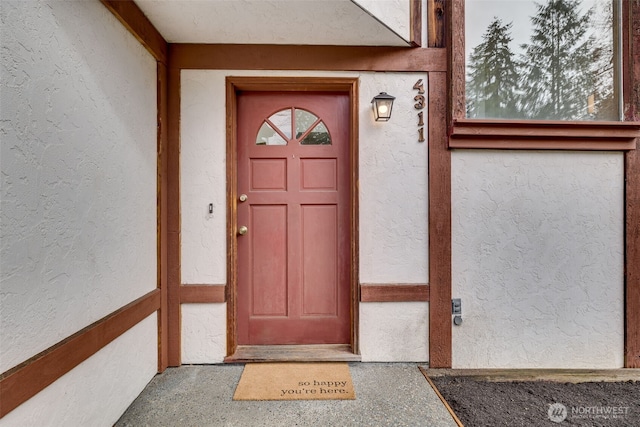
point(293, 353)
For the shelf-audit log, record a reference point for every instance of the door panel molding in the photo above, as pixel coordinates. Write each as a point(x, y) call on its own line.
point(303, 84)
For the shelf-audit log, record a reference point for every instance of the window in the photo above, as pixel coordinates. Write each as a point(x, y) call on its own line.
point(542, 60)
point(278, 129)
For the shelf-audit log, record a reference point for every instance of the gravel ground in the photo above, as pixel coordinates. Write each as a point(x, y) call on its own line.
point(480, 403)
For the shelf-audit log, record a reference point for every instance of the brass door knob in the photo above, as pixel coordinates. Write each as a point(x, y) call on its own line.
point(243, 197)
point(242, 230)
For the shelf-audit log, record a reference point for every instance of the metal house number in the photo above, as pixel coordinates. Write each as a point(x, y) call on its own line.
point(419, 105)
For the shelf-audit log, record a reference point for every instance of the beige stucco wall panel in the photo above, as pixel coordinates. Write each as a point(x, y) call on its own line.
point(394, 14)
point(204, 333)
point(393, 184)
point(99, 390)
point(538, 259)
point(78, 217)
point(394, 331)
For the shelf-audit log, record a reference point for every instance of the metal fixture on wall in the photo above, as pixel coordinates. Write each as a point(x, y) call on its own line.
point(382, 105)
point(456, 311)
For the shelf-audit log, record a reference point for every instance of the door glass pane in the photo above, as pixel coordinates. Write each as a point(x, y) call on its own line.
point(319, 135)
point(282, 120)
point(542, 59)
point(268, 136)
point(304, 120)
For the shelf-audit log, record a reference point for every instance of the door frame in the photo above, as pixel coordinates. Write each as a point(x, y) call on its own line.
point(291, 84)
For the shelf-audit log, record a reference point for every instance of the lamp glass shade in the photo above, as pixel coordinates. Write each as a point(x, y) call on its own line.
point(382, 106)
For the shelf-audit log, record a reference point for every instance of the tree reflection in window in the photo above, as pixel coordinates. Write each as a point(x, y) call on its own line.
point(564, 71)
point(293, 125)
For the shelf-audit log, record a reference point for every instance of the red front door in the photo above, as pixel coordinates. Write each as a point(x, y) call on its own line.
point(294, 258)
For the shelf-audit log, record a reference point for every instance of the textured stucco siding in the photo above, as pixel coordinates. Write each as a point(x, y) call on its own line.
point(78, 195)
point(395, 14)
point(394, 332)
point(538, 259)
point(393, 200)
point(204, 333)
point(98, 391)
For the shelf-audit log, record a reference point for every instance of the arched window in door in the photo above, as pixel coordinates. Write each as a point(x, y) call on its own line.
point(293, 125)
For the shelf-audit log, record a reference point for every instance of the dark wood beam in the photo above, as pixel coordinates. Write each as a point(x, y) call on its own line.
point(202, 294)
point(416, 23)
point(316, 58)
point(436, 23)
point(130, 15)
point(21, 383)
point(631, 97)
point(393, 292)
point(439, 223)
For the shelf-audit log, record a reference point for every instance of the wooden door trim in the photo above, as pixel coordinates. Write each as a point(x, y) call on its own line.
point(294, 84)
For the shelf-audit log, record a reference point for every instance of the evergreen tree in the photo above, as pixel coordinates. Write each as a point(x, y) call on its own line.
point(492, 76)
point(556, 78)
point(603, 97)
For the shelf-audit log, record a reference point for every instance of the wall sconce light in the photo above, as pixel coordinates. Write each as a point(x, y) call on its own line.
point(382, 105)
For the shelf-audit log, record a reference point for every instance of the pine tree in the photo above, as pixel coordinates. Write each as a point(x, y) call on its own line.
point(492, 76)
point(556, 78)
point(604, 105)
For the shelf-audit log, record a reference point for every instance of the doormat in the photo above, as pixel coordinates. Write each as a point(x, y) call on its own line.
point(295, 381)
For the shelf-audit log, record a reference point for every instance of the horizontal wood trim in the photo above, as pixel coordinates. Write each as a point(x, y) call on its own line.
point(24, 381)
point(316, 58)
point(299, 84)
point(134, 20)
point(393, 292)
point(544, 135)
point(192, 294)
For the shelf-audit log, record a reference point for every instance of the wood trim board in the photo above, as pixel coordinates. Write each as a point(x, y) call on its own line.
point(173, 227)
point(134, 20)
point(202, 294)
point(543, 135)
point(632, 260)
point(632, 191)
point(455, 38)
point(308, 57)
point(393, 292)
point(21, 383)
point(439, 223)
point(163, 350)
point(416, 23)
point(436, 18)
point(354, 92)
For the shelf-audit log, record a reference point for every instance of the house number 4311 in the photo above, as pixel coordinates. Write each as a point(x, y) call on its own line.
point(419, 98)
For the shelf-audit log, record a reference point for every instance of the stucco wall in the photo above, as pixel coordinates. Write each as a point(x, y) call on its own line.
point(394, 332)
point(99, 390)
point(395, 14)
point(538, 259)
point(393, 202)
point(78, 196)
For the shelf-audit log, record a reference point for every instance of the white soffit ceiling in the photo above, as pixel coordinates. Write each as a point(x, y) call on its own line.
point(316, 22)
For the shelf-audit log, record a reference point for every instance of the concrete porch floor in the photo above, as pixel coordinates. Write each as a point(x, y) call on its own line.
point(387, 394)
